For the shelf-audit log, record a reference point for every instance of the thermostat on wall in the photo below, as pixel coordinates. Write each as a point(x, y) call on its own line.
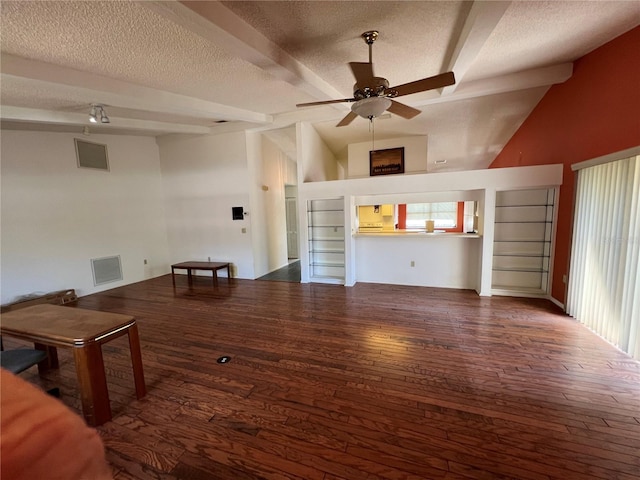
point(237, 213)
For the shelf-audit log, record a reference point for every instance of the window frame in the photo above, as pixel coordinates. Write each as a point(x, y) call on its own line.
point(459, 228)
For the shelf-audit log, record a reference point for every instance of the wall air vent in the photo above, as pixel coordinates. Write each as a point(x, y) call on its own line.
point(91, 155)
point(106, 270)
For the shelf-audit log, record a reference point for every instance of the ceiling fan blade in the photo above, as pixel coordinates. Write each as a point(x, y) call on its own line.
point(325, 102)
point(437, 81)
point(347, 120)
point(362, 71)
point(402, 110)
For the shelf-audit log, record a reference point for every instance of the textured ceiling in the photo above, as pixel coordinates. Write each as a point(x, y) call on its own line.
point(126, 41)
point(181, 67)
point(550, 32)
point(325, 36)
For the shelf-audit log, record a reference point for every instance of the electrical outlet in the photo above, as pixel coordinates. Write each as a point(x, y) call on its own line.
point(244, 230)
point(209, 259)
point(413, 263)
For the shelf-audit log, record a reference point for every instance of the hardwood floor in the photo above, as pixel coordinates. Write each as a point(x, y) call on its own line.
point(368, 382)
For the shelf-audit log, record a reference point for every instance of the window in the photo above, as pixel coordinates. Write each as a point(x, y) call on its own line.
point(446, 215)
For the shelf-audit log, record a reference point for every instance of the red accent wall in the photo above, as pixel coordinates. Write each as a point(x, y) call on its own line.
point(402, 216)
point(594, 113)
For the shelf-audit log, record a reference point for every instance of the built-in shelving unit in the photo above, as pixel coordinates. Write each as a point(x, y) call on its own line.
point(523, 241)
point(326, 240)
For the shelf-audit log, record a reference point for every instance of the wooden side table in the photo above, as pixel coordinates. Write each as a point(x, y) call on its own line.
point(84, 331)
point(192, 266)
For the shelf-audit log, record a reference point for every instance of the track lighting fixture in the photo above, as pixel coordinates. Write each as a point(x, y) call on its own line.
point(93, 114)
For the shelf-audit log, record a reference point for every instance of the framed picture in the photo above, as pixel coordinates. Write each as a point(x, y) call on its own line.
point(386, 162)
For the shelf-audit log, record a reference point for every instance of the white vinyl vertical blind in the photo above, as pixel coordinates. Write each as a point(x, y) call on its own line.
point(604, 281)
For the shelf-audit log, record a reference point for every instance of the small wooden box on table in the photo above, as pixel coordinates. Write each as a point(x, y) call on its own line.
point(213, 267)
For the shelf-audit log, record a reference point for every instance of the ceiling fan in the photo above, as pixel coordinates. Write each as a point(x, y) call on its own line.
point(372, 95)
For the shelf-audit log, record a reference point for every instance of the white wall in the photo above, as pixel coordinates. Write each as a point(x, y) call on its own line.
point(271, 169)
point(56, 216)
point(477, 185)
point(257, 209)
point(316, 163)
point(173, 203)
point(203, 177)
point(446, 261)
point(415, 155)
point(402, 188)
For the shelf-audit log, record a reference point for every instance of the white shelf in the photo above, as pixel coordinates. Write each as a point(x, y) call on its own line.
point(522, 242)
point(326, 240)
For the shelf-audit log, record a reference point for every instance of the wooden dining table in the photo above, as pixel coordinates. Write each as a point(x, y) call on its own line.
point(84, 331)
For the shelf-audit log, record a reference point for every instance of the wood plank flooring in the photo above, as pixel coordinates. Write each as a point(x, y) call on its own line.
point(368, 382)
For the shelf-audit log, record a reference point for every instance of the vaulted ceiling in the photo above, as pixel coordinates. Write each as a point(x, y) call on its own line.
point(205, 67)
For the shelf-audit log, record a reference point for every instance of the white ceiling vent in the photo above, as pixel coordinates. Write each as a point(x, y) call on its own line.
point(91, 155)
point(106, 269)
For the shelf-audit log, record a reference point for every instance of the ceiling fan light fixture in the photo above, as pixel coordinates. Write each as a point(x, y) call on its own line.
point(371, 107)
point(372, 94)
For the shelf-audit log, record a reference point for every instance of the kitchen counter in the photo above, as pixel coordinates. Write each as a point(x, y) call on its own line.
point(444, 260)
point(416, 234)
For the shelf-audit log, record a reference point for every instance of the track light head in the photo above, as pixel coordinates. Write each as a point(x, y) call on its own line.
point(93, 114)
point(98, 110)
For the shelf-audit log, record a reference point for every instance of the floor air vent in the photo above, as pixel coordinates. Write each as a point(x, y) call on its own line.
point(106, 269)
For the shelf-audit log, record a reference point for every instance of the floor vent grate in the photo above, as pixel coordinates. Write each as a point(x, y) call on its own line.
point(106, 269)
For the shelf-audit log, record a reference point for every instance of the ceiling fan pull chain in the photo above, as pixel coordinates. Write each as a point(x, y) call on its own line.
point(372, 129)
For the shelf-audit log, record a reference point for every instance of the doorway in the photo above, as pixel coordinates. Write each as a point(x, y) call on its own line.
point(291, 202)
point(289, 273)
